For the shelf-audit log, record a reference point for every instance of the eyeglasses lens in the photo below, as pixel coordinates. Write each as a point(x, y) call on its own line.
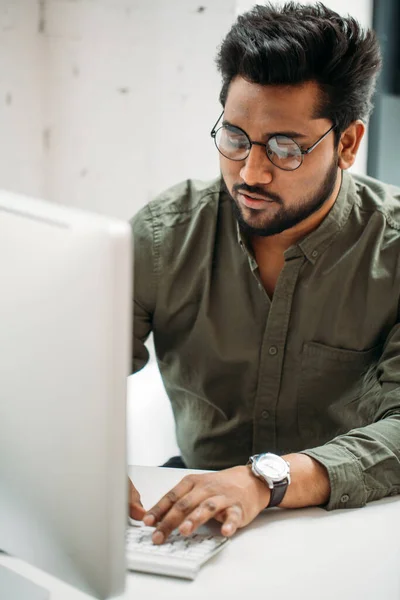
point(282, 151)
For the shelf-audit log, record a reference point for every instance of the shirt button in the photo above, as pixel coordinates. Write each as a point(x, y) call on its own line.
point(273, 350)
point(345, 498)
point(314, 253)
point(265, 414)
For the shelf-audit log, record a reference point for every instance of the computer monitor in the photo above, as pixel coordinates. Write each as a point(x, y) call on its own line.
point(65, 311)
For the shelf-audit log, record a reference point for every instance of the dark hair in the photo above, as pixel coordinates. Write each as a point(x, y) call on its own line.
point(296, 43)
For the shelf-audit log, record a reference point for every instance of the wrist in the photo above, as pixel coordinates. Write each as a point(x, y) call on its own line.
point(274, 471)
point(262, 492)
point(310, 483)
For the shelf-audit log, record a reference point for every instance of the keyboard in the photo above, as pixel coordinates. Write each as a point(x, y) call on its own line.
point(180, 556)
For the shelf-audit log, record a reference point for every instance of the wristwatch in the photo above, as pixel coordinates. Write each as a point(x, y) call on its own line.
point(275, 471)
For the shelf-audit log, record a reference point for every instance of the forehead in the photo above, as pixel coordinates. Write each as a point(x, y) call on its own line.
point(273, 107)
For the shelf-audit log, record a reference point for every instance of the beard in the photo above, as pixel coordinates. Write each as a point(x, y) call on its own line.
point(284, 218)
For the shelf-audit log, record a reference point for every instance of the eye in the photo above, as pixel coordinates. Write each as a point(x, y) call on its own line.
point(283, 147)
point(235, 137)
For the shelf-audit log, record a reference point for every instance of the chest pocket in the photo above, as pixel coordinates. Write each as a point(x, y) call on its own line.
point(338, 391)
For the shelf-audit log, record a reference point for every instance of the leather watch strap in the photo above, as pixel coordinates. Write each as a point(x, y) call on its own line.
point(277, 493)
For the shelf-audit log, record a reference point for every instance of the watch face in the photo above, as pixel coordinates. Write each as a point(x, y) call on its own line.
point(272, 466)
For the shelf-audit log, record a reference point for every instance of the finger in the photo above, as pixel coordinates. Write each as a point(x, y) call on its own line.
point(204, 512)
point(233, 520)
point(220, 516)
point(178, 514)
point(136, 510)
point(157, 512)
point(134, 496)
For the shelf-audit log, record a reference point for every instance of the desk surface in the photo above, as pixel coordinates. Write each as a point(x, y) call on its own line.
point(303, 554)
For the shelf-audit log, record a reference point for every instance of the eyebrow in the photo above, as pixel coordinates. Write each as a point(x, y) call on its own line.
point(291, 134)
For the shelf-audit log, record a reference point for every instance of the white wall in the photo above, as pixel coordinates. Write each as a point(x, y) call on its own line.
point(104, 103)
point(112, 100)
point(134, 98)
point(22, 65)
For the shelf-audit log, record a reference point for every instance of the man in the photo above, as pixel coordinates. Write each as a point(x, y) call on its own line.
point(273, 292)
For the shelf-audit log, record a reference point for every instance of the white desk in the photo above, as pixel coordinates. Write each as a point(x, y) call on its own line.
point(301, 554)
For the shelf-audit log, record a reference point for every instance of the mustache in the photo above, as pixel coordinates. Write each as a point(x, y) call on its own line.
point(243, 187)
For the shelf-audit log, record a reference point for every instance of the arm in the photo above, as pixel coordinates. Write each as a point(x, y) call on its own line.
point(143, 308)
point(350, 470)
point(361, 465)
point(234, 497)
point(364, 464)
point(144, 286)
point(136, 510)
point(310, 482)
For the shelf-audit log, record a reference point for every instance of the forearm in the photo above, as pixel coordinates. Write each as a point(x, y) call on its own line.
point(309, 482)
point(363, 465)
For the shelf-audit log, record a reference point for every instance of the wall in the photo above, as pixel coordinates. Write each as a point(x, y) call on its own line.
point(22, 89)
point(111, 100)
point(104, 103)
point(383, 162)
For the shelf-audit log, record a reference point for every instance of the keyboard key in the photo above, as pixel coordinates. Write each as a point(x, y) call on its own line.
point(180, 556)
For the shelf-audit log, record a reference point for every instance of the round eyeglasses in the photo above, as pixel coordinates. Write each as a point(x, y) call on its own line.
point(286, 154)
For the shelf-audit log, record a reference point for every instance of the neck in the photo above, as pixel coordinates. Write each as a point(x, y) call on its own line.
point(282, 241)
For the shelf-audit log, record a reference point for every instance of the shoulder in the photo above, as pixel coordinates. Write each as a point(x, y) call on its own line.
point(179, 204)
point(376, 196)
point(170, 227)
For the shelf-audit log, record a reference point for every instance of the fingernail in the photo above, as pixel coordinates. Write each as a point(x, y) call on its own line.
point(158, 537)
point(227, 529)
point(186, 527)
point(149, 520)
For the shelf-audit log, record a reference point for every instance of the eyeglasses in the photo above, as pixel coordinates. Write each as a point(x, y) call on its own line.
point(234, 143)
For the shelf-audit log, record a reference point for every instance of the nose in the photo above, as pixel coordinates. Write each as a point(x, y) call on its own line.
point(257, 168)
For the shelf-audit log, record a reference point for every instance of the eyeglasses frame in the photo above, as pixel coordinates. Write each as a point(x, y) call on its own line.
point(213, 134)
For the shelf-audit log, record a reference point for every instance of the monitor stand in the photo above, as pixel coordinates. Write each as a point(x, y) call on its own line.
point(15, 586)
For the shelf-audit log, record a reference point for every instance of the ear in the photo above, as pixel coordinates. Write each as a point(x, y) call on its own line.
point(349, 144)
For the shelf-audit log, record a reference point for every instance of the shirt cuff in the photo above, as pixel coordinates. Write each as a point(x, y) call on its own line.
point(345, 475)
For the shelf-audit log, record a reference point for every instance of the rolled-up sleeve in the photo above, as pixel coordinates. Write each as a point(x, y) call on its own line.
point(364, 464)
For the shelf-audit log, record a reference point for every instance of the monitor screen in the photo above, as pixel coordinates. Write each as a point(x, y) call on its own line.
point(65, 307)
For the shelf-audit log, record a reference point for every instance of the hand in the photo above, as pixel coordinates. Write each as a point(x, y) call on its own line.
point(234, 497)
point(136, 510)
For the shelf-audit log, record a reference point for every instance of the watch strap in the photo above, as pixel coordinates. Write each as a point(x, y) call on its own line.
point(278, 492)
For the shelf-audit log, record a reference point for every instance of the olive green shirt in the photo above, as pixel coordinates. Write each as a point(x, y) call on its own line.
point(315, 370)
